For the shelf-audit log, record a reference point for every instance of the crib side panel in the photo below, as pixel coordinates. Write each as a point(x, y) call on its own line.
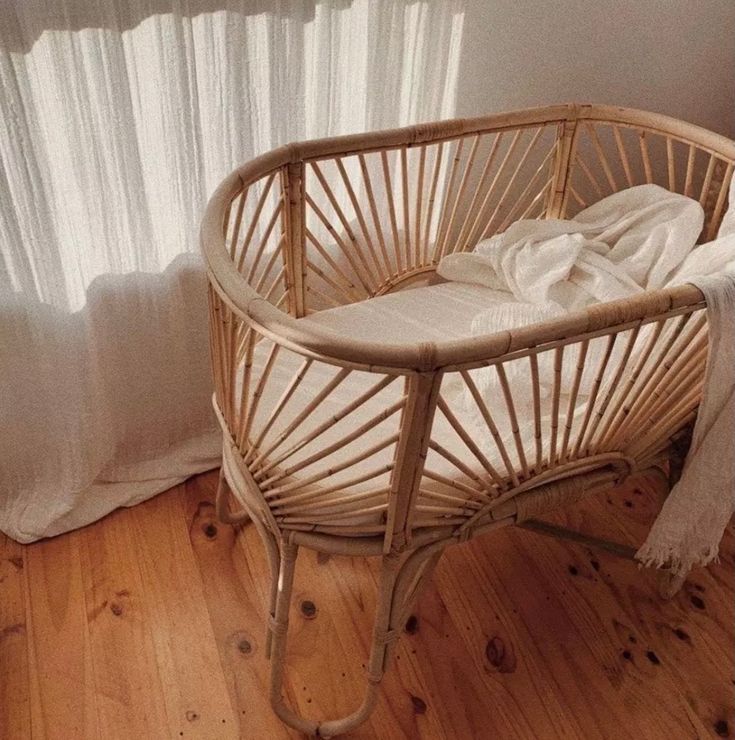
point(610, 155)
point(264, 233)
point(321, 442)
point(606, 401)
point(376, 219)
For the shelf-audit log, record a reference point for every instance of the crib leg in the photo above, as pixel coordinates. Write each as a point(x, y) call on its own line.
point(400, 583)
point(278, 628)
point(221, 508)
point(269, 541)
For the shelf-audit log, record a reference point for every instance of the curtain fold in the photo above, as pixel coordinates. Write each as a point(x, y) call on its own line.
point(116, 121)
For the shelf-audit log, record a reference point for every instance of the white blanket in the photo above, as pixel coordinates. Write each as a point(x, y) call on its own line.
point(638, 239)
point(627, 243)
point(692, 521)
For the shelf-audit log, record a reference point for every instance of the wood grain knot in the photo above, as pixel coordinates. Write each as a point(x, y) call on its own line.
point(500, 656)
point(308, 609)
point(697, 602)
point(192, 716)
point(419, 705)
point(116, 609)
point(412, 625)
point(722, 728)
point(13, 629)
point(210, 530)
point(242, 643)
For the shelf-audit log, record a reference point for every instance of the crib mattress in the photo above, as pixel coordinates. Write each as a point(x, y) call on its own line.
point(362, 465)
point(424, 314)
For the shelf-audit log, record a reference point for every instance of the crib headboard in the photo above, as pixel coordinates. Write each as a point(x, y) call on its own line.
point(615, 148)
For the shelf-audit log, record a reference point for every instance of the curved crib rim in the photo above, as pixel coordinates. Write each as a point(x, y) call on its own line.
point(422, 133)
point(335, 348)
point(410, 357)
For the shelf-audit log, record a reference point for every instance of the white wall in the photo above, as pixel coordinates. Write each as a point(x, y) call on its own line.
point(670, 56)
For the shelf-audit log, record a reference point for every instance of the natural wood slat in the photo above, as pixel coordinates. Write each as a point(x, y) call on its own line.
point(15, 698)
point(64, 697)
point(118, 627)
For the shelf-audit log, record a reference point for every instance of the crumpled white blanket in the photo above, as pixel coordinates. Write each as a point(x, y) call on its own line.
point(626, 243)
point(638, 239)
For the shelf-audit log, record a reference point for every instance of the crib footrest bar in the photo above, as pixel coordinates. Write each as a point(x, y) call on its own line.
point(562, 533)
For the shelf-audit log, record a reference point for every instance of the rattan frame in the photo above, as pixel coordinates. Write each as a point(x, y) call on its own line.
point(425, 212)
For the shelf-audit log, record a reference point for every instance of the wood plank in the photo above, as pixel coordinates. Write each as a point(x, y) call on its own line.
point(130, 699)
point(194, 687)
point(456, 668)
point(63, 692)
point(518, 636)
point(667, 671)
point(15, 701)
point(236, 610)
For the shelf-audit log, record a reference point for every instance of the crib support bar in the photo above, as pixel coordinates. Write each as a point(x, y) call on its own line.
point(221, 508)
point(292, 182)
point(562, 165)
point(562, 533)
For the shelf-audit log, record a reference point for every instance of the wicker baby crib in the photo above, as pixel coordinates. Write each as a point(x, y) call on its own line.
point(344, 435)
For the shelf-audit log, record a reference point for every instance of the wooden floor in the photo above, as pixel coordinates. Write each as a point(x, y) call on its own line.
point(150, 624)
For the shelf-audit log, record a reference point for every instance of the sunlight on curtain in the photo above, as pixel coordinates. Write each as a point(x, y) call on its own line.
point(116, 122)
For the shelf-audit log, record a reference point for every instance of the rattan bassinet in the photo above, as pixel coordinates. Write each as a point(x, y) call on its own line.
point(354, 445)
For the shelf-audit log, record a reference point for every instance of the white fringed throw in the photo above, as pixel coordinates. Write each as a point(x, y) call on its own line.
point(689, 528)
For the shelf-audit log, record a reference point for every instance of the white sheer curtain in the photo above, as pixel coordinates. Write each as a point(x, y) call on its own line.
point(117, 119)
